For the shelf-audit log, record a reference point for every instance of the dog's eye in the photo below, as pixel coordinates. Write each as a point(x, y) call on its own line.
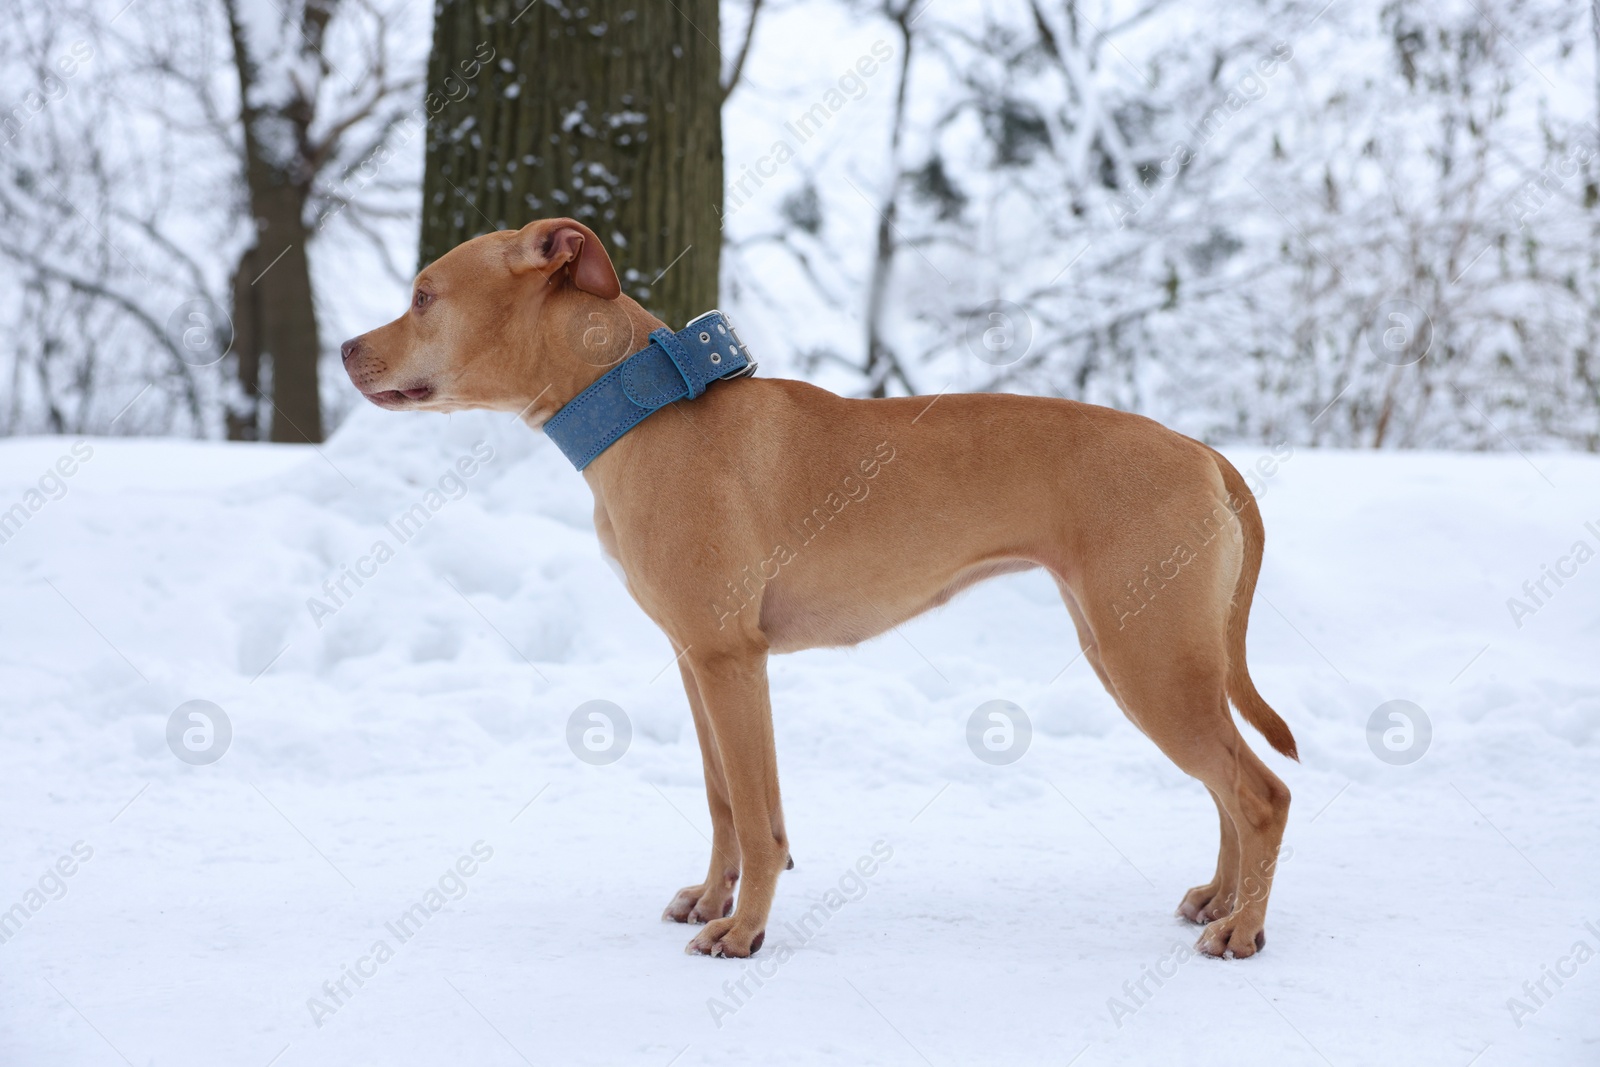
point(422, 299)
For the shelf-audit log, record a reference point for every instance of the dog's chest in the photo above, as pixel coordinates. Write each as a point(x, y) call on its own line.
point(607, 535)
point(608, 552)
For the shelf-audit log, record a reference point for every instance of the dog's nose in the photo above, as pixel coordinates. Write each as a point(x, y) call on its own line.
point(349, 349)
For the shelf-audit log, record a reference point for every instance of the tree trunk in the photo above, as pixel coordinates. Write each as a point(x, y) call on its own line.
point(609, 113)
point(275, 324)
point(275, 318)
point(285, 316)
point(242, 410)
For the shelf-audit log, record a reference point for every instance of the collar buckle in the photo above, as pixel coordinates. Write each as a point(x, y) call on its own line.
point(673, 366)
point(717, 319)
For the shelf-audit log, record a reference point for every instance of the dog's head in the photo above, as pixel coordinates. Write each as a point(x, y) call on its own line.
point(498, 319)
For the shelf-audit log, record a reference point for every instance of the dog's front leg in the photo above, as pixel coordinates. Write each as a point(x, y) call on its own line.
point(713, 898)
point(733, 692)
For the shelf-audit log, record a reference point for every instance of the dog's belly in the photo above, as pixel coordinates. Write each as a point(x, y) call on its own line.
point(794, 618)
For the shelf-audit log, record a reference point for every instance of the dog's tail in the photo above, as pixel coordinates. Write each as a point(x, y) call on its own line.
point(1256, 711)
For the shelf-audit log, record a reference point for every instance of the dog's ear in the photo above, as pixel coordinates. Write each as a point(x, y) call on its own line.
point(550, 245)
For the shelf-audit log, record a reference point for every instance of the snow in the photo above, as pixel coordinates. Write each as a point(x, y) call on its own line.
point(423, 725)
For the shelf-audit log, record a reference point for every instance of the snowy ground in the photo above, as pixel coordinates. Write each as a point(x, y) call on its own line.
point(427, 716)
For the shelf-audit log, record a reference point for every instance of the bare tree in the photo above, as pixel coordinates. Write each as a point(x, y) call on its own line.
point(297, 112)
point(1228, 229)
point(173, 176)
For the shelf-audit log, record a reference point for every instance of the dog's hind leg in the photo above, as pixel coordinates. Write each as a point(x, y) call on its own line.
point(1178, 700)
point(1204, 903)
point(1086, 642)
point(713, 898)
point(1257, 802)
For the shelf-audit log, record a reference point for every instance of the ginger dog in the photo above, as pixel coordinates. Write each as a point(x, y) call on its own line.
point(1154, 540)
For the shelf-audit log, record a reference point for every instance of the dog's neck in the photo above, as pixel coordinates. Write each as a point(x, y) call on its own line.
point(577, 340)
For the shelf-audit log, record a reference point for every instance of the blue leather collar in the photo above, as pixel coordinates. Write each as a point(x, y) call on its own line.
point(675, 366)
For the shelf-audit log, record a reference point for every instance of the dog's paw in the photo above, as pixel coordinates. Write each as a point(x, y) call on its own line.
point(1205, 903)
point(1238, 936)
point(723, 937)
point(699, 904)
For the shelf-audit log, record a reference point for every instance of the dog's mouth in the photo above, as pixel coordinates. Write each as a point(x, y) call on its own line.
point(390, 398)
